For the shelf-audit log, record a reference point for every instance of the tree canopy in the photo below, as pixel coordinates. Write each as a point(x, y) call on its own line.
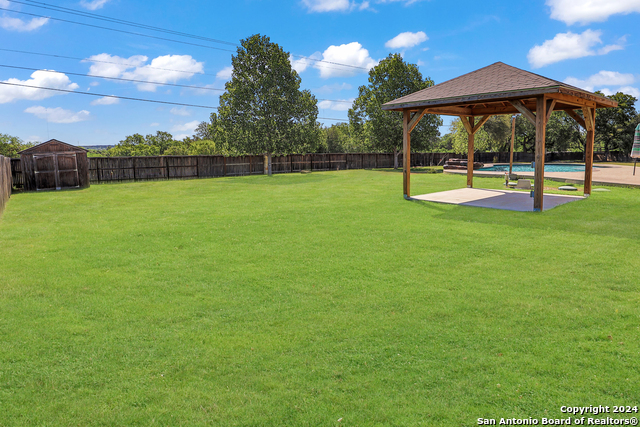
point(263, 109)
point(615, 126)
point(392, 78)
point(10, 146)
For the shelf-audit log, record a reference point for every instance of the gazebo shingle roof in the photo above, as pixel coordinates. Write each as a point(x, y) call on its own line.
point(488, 84)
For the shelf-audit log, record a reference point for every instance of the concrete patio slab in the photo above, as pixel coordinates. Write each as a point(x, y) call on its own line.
point(603, 174)
point(496, 199)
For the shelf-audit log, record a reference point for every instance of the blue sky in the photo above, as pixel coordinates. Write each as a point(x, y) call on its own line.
point(591, 44)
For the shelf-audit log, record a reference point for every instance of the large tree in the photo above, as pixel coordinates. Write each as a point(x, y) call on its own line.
point(263, 109)
point(11, 145)
point(382, 130)
point(615, 126)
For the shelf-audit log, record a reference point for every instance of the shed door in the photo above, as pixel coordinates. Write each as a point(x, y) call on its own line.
point(56, 171)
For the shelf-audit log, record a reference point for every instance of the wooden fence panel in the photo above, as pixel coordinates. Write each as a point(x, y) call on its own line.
point(281, 164)
point(298, 162)
point(16, 174)
point(354, 161)
point(5, 181)
point(338, 161)
point(150, 168)
point(240, 165)
point(182, 167)
point(211, 166)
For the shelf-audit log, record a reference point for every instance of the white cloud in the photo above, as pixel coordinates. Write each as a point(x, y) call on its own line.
point(58, 115)
point(604, 81)
point(346, 5)
point(181, 136)
point(106, 100)
point(163, 69)
point(336, 105)
point(38, 78)
point(112, 65)
point(352, 54)
point(633, 91)
point(16, 24)
point(583, 12)
point(93, 5)
point(225, 73)
point(327, 5)
point(301, 64)
point(187, 127)
point(406, 40)
point(568, 46)
point(180, 111)
point(603, 78)
point(4, 3)
point(154, 125)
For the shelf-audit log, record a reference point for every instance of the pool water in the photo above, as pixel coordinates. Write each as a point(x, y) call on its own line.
point(528, 168)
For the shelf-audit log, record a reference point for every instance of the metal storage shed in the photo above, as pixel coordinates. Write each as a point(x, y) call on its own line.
point(54, 165)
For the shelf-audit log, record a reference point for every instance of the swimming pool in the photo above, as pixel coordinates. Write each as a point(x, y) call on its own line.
point(528, 168)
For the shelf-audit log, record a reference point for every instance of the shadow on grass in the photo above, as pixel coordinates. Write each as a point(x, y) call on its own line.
point(590, 217)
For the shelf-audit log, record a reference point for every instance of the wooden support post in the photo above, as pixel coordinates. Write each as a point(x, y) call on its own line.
point(406, 154)
point(590, 120)
point(541, 128)
point(166, 163)
point(470, 158)
point(513, 139)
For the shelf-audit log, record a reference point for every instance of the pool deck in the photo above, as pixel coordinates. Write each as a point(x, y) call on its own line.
point(603, 174)
point(511, 200)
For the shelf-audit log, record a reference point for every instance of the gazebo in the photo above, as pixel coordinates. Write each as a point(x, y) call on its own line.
point(501, 89)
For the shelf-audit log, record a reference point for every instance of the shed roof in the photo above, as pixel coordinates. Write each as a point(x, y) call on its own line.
point(493, 84)
point(52, 146)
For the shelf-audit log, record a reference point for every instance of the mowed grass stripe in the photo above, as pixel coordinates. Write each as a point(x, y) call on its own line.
point(302, 299)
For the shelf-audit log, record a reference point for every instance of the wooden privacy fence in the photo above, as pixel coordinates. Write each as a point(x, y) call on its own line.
point(114, 169)
point(5, 181)
point(109, 169)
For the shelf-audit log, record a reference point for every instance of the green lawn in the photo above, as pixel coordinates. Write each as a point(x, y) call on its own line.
point(299, 300)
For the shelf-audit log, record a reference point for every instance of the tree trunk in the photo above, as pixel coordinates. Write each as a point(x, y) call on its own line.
point(395, 158)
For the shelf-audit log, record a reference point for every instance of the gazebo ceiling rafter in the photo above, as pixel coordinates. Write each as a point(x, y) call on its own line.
point(501, 89)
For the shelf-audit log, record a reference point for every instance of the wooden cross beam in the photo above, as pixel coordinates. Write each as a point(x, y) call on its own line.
point(577, 118)
point(468, 123)
point(550, 104)
point(482, 121)
point(416, 119)
point(518, 105)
